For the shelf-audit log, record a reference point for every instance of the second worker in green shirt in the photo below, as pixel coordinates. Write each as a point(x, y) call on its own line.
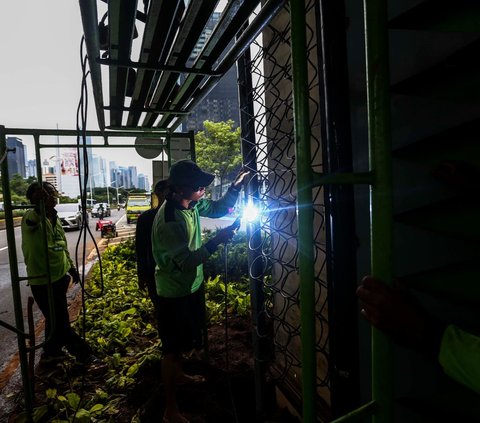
point(179, 254)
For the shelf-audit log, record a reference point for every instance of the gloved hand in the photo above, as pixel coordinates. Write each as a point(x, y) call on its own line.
point(226, 234)
point(240, 179)
point(74, 274)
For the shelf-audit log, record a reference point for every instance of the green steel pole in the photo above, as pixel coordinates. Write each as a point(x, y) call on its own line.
point(304, 206)
point(17, 298)
point(381, 208)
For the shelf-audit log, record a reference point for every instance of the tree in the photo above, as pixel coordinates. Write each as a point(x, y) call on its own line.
point(218, 149)
point(18, 185)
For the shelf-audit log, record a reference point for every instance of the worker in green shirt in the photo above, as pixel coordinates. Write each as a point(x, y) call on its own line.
point(179, 255)
point(58, 332)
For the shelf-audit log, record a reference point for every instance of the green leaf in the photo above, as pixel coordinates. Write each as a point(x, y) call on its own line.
point(96, 408)
point(51, 393)
point(82, 416)
point(73, 399)
point(39, 412)
point(132, 370)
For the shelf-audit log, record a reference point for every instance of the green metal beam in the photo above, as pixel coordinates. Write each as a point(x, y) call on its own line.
point(342, 178)
point(304, 207)
point(88, 11)
point(14, 276)
point(381, 203)
point(133, 132)
point(157, 67)
point(359, 414)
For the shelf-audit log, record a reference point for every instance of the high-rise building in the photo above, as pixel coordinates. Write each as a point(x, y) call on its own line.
point(31, 168)
point(16, 160)
point(143, 182)
point(132, 170)
point(124, 178)
point(98, 171)
point(221, 104)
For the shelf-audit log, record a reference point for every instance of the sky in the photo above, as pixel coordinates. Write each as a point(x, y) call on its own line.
point(40, 73)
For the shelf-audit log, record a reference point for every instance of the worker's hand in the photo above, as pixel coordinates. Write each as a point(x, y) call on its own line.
point(224, 235)
point(74, 274)
point(392, 310)
point(398, 314)
point(240, 178)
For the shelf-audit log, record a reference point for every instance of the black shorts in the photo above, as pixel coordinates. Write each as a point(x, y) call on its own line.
point(181, 322)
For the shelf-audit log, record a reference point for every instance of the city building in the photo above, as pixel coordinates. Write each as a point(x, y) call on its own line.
point(31, 168)
point(17, 160)
point(143, 182)
point(221, 104)
point(97, 171)
point(132, 171)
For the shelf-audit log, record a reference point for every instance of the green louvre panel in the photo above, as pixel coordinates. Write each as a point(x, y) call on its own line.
point(459, 282)
point(456, 78)
point(441, 16)
point(455, 217)
point(460, 143)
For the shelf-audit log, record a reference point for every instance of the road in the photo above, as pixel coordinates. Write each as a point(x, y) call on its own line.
point(8, 339)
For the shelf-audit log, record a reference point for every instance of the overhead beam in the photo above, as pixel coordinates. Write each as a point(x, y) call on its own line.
point(88, 10)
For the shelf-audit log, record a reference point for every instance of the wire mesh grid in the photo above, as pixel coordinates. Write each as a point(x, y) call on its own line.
point(274, 147)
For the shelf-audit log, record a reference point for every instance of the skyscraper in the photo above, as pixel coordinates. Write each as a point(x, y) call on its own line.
point(221, 104)
point(16, 160)
point(32, 168)
point(132, 171)
point(143, 182)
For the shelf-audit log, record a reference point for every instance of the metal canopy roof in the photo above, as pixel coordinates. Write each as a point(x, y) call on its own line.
point(159, 88)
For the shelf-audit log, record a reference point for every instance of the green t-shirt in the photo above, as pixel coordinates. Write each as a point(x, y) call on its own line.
point(177, 244)
point(460, 357)
point(33, 247)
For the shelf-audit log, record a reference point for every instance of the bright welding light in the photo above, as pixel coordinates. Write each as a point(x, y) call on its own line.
point(250, 213)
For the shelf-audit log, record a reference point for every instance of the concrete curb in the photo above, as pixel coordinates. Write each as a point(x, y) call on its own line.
point(16, 222)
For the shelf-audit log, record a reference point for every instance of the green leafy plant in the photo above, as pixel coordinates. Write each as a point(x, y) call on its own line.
point(118, 323)
point(236, 295)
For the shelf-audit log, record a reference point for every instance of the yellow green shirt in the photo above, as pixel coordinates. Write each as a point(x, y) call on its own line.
point(33, 247)
point(177, 244)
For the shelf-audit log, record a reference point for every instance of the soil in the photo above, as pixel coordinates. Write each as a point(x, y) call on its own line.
point(227, 395)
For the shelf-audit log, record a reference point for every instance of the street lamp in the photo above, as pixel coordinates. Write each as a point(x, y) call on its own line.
point(117, 187)
point(90, 177)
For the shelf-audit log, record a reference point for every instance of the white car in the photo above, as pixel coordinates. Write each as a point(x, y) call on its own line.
point(70, 215)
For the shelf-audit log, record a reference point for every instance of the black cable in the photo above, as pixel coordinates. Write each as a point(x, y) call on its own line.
point(82, 115)
point(81, 123)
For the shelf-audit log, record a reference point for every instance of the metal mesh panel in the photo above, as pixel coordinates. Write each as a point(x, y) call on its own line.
point(276, 169)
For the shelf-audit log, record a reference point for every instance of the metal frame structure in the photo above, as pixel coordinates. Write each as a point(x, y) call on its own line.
point(168, 86)
point(16, 279)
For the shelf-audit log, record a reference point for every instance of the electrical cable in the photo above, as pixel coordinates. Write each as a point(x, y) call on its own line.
point(82, 152)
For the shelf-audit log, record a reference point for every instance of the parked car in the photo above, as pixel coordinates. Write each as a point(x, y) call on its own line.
point(70, 215)
point(96, 210)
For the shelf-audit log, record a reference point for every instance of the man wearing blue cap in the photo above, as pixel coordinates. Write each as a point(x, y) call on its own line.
point(179, 254)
